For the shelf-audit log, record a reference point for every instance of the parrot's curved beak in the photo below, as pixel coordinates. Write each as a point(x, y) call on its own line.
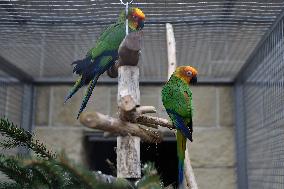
point(140, 24)
point(193, 80)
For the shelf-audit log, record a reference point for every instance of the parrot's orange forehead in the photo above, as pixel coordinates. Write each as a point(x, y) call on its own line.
point(139, 13)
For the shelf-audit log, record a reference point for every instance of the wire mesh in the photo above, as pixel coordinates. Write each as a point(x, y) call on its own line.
point(262, 83)
point(10, 105)
point(43, 37)
point(11, 101)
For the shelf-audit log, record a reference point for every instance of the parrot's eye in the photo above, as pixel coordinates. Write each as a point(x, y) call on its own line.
point(189, 73)
point(135, 17)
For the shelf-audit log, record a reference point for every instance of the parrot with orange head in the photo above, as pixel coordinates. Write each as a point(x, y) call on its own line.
point(101, 57)
point(177, 99)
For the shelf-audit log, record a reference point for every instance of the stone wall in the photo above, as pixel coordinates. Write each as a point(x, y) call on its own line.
point(212, 152)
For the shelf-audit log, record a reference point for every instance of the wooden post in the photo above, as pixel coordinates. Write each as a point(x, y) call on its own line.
point(188, 171)
point(171, 47)
point(128, 147)
point(172, 64)
point(128, 98)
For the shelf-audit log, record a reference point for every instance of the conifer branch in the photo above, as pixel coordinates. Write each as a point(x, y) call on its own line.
point(10, 185)
point(86, 178)
point(20, 137)
point(11, 167)
point(53, 174)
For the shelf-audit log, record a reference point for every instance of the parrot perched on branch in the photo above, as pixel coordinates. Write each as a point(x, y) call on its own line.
point(101, 57)
point(177, 99)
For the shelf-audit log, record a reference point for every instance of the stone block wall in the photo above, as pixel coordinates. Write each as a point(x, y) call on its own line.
point(212, 153)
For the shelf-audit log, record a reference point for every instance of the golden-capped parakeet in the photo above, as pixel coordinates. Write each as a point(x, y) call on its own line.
point(177, 99)
point(101, 57)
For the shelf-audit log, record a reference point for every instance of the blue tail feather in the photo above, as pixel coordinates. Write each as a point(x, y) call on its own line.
point(88, 95)
point(179, 123)
point(90, 69)
point(86, 68)
point(180, 173)
point(74, 89)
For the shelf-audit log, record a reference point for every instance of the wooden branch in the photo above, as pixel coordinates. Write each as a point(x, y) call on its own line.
point(139, 118)
point(128, 53)
point(115, 126)
point(188, 171)
point(150, 125)
point(171, 47)
point(145, 119)
point(146, 109)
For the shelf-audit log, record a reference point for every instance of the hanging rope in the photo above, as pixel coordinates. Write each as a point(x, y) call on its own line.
point(126, 13)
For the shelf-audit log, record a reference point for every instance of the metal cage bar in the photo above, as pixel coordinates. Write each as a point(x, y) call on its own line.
point(16, 96)
point(259, 106)
point(27, 112)
point(43, 38)
point(240, 130)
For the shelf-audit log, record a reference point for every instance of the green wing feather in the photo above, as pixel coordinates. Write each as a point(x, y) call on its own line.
point(109, 40)
point(177, 96)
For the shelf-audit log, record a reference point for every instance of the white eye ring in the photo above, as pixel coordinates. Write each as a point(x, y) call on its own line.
point(189, 73)
point(135, 17)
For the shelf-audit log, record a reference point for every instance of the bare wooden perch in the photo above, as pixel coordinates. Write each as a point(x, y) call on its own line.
point(117, 127)
point(146, 119)
point(188, 171)
point(128, 98)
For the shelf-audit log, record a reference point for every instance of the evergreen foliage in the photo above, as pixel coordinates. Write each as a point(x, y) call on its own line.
point(19, 137)
point(51, 171)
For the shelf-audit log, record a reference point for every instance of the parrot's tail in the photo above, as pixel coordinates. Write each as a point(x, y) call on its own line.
point(181, 146)
point(85, 69)
point(74, 89)
point(88, 94)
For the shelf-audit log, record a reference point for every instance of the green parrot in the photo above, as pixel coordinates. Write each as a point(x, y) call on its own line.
point(177, 99)
point(101, 57)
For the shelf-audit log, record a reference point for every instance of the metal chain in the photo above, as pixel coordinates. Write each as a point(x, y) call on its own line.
point(126, 13)
point(121, 1)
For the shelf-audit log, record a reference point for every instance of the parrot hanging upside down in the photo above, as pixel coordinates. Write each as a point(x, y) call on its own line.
point(177, 99)
point(104, 54)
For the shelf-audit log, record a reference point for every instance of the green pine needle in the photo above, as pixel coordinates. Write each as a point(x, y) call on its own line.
point(19, 137)
point(48, 172)
point(10, 185)
point(12, 168)
point(151, 179)
point(79, 174)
